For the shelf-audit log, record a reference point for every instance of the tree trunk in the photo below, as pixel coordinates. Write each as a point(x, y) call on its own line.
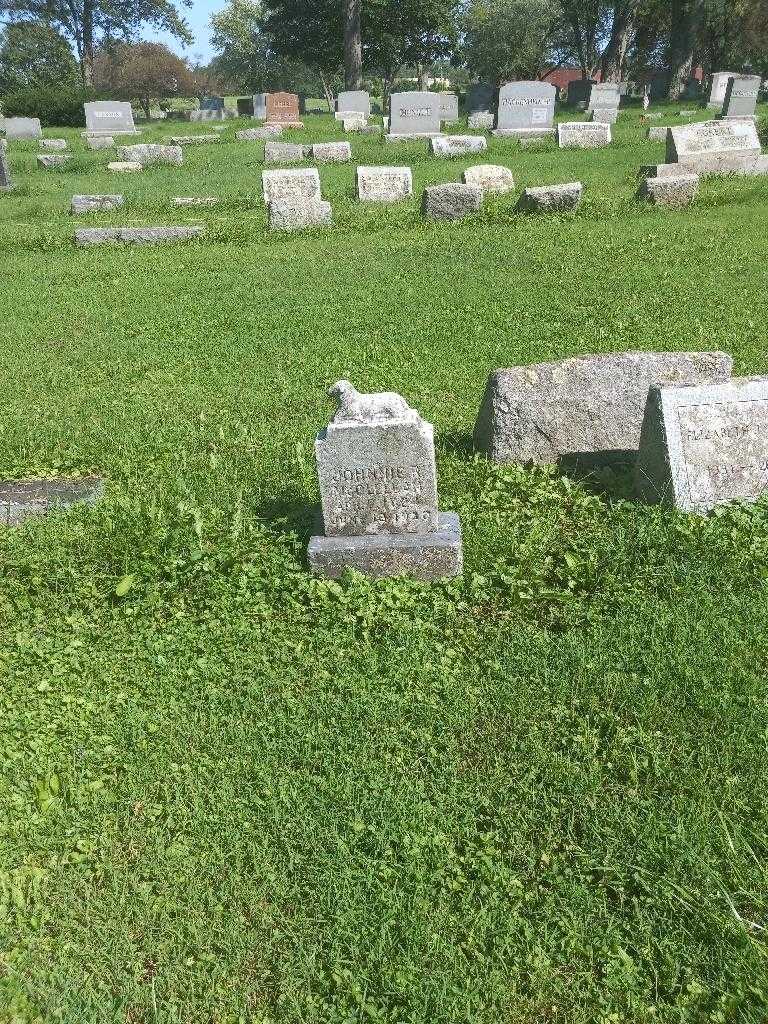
point(88, 44)
point(579, 44)
point(622, 32)
point(682, 41)
point(353, 45)
point(330, 99)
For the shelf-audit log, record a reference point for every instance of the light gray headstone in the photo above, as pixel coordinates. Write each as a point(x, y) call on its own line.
point(295, 214)
point(670, 191)
point(285, 152)
point(457, 145)
point(717, 89)
point(451, 202)
point(151, 153)
point(526, 108)
point(260, 106)
point(587, 406)
point(378, 492)
point(296, 185)
point(490, 178)
point(95, 204)
point(551, 198)
point(194, 140)
point(108, 117)
point(194, 201)
point(136, 236)
point(414, 114)
point(22, 128)
point(5, 171)
point(604, 95)
point(741, 96)
point(713, 147)
point(449, 106)
point(605, 115)
point(99, 141)
point(384, 184)
point(583, 134)
point(53, 144)
point(51, 160)
point(356, 101)
point(332, 152)
point(704, 445)
point(481, 120)
point(269, 131)
point(124, 166)
point(657, 133)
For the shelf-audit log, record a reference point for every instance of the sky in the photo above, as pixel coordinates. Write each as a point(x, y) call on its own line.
point(198, 17)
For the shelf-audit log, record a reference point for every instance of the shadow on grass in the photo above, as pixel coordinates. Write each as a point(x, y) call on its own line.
point(454, 443)
point(607, 474)
point(289, 513)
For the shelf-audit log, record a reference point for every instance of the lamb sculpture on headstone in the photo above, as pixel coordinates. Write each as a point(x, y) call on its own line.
point(357, 408)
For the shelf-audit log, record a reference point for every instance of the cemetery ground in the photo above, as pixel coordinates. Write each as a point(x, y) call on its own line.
point(233, 792)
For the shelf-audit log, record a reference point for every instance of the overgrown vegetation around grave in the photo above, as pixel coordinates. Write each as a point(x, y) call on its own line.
point(231, 792)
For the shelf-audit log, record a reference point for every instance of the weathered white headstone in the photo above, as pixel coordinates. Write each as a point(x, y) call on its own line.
point(106, 117)
point(451, 201)
point(526, 109)
point(57, 145)
point(449, 106)
point(268, 132)
point(22, 128)
point(670, 191)
point(151, 153)
point(95, 204)
point(604, 97)
point(125, 166)
point(717, 89)
point(99, 141)
point(137, 236)
point(587, 406)
point(583, 134)
point(414, 115)
point(294, 185)
point(704, 445)
point(741, 96)
point(332, 152)
point(490, 178)
point(285, 152)
point(194, 140)
point(378, 492)
point(51, 160)
point(296, 214)
point(384, 184)
point(457, 145)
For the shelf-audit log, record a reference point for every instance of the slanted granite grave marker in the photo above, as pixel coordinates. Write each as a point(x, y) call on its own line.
point(107, 117)
point(384, 184)
point(583, 134)
point(715, 147)
point(95, 204)
point(590, 407)
point(741, 96)
point(526, 109)
point(378, 492)
point(294, 185)
point(490, 178)
point(150, 153)
point(704, 445)
point(414, 115)
point(449, 106)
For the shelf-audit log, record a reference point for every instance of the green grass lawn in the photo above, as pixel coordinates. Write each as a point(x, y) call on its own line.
point(535, 795)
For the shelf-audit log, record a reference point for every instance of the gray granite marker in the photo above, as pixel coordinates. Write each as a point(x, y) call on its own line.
point(589, 406)
point(414, 115)
point(378, 492)
point(260, 106)
point(99, 141)
point(704, 445)
point(490, 178)
point(285, 152)
point(52, 160)
point(384, 184)
point(449, 106)
point(481, 120)
point(151, 153)
point(741, 96)
point(297, 214)
point(193, 140)
point(136, 236)
point(457, 145)
point(5, 172)
point(714, 147)
point(657, 134)
point(107, 117)
point(604, 99)
point(265, 134)
point(451, 202)
point(583, 134)
point(353, 101)
point(296, 185)
point(331, 152)
point(670, 191)
point(526, 109)
point(22, 128)
point(95, 204)
point(53, 144)
point(24, 499)
point(550, 198)
point(717, 89)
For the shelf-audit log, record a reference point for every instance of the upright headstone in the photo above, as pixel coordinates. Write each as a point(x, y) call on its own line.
point(260, 106)
point(282, 108)
point(741, 96)
point(414, 115)
point(384, 184)
point(5, 171)
point(480, 98)
point(526, 109)
point(714, 147)
point(449, 106)
point(583, 407)
point(717, 89)
point(245, 106)
point(704, 445)
point(604, 99)
point(578, 91)
point(107, 117)
point(378, 493)
point(211, 103)
point(353, 101)
point(22, 128)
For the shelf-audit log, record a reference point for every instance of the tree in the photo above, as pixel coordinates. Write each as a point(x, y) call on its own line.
point(623, 28)
point(145, 71)
point(685, 15)
point(509, 39)
point(353, 45)
point(89, 22)
point(32, 54)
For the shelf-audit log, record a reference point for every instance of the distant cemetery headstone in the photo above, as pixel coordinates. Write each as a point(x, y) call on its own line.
point(741, 96)
point(245, 106)
point(526, 109)
point(384, 184)
point(457, 145)
point(107, 117)
point(282, 107)
point(704, 445)
point(490, 178)
point(260, 106)
point(449, 106)
point(583, 134)
point(480, 98)
point(137, 236)
point(715, 147)
point(99, 141)
point(579, 90)
point(378, 492)
point(414, 114)
point(211, 103)
point(22, 128)
point(296, 185)
point(717, 89)
point(295, 215)
point(95, 204)
point(5, 171)
point(604, 99)
point(354, 101)
point(584, 407)
point(151, 153)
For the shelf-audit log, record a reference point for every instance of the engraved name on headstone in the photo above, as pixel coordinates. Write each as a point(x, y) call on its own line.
point(414, 114)
point(526, 109)
point(282, 107)
point(106, 117)
point(714, 146)
point(704, 445)
point(741, 96)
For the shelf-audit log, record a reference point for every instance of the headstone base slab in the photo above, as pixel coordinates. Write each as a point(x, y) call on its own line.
point(424, 556)
point(524, 133)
